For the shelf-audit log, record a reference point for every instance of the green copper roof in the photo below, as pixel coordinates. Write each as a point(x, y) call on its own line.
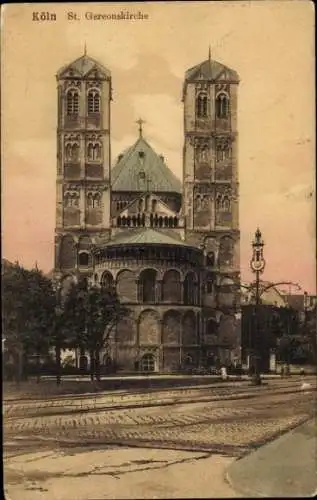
point(140, 168)
point(210, 70)
point(83, 65)
point(145, 236)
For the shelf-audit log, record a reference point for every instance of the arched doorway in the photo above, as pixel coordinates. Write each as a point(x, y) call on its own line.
point(147, 363)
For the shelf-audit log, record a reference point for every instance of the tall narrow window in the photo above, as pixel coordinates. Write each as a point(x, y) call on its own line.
point(154, 205)
point(96, 201)
point(226, 204)
point(75, 152)
point(222, 106)
point(203, 154)
point(93, 99)
point(202, 105)
point(72, 102)
point(93, 151)
point(90, 200)
point(222, 152)
point(218, 202)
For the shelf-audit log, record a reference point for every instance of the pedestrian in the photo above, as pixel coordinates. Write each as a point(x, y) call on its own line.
point(224, 374)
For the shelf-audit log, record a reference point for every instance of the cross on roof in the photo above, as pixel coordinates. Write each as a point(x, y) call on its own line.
point(140, 123)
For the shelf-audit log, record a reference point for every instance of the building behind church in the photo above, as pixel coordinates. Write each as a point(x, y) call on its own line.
point(171, 249)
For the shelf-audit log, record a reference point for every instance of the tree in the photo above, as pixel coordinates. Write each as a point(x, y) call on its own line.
point(91, 314)
point(28, 313)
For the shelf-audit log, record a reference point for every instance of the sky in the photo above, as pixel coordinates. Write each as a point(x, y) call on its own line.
point(269, 44)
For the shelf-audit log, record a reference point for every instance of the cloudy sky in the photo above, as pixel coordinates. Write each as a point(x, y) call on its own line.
point(270, 45)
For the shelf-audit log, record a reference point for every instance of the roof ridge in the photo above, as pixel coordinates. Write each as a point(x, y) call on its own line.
point(129, 151)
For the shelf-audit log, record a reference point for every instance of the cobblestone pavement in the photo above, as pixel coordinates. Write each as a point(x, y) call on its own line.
point(68, 404)
point(230, 423)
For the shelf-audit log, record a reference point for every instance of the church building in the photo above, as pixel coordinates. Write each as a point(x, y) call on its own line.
point(171, 249)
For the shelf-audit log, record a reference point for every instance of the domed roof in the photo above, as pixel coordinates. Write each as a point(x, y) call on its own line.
point(145, 236)
point(211, 70)
point(82, 67)
point(140, 168)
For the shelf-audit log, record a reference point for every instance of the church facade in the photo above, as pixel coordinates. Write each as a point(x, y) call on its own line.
point(171, 249)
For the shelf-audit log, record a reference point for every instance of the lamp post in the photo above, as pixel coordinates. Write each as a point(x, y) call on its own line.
point(257, 265)
point(305, 312)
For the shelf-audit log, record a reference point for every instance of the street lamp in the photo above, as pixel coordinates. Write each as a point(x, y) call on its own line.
point(257, 265)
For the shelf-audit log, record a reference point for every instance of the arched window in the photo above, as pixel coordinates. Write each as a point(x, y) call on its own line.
point(83, 259)
point(218, 202)
point(93, 99)
point(202, 105)
point(203, 154)
point(106, 280)
point(222, 152)
point(72, 102)
point(89, 200)
point(198, 202)
point(147, 286)
point(226, 204)
point(68, 151)
point(147, 363)
point(222, 106)
point(210, 259)
point(71, 200)
point(147, 203)
point(96, 200)
point(93, 151)
point(154, 205)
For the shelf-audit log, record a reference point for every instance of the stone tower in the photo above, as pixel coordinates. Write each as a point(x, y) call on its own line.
point(83, 187)
point(210, 176)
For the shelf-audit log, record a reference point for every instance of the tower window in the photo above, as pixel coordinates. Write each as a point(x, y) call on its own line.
point(203, 154)
point(141, 154)
point(71, 200)
point(222, 152)
point(72, 102)
point(93, 151)
point(93, 99)
point(222, 106)
point(83, 259)
point(93, 200)
point(202, 105)
point(72, 152)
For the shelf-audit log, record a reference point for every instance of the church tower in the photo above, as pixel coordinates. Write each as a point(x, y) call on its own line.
point(210, 176)
point(83, 188)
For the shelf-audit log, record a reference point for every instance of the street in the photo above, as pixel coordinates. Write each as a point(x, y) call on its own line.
point(151, 430)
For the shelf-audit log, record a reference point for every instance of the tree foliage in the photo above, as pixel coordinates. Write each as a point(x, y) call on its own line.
point(28, 311)
point(91, 314)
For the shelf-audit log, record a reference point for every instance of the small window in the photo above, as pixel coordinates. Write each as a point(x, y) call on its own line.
point(93, 151)
point(222, 106)
point(93, 102)
point(148, 363)
point(72, 102)
point(202, 105)
point(83, 259)
point(141, 154)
